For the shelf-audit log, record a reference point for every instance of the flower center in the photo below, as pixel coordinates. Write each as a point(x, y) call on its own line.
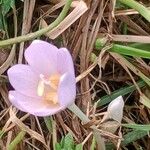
point(48, 87)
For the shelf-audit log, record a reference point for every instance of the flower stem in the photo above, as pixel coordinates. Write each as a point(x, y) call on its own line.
point(75, 109)
point(38, 33)
point(100, 141)
point(145, 12)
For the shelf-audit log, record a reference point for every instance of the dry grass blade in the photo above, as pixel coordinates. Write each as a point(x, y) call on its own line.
point(78, 11)
point(85, 73)
point(12, 54)
point(23, 127)
point(134, 26)
point(126, 64)
point(131, 38)
point(126, 12)
point(28, 9)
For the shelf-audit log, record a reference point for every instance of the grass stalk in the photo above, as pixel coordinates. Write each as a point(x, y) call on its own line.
point(38, 33)
point(145, 12)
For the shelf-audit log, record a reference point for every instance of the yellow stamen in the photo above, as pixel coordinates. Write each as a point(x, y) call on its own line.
point(51, 96)
point(54, 81)
point(47, 88)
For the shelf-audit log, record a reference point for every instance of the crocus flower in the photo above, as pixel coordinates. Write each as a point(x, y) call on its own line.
point(115, 110)
point(46, 85)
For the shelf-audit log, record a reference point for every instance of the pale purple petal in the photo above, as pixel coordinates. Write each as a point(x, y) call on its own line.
point(34, 106)
point(42, 57)
point(65, 63)
point(23, 79)
point(67, 90)
point(115, 109)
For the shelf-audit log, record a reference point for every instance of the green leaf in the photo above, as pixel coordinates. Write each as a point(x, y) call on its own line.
point(58, 146)
point(79, 147)
point(119, 5)
point(7, 5)
point(68, 141)
point(62, 141)
point(110, 146)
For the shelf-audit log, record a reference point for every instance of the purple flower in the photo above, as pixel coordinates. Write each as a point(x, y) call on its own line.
point(47, 84)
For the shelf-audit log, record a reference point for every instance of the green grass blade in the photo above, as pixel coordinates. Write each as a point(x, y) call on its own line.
point(1, 133)
point(128, 138)
point(48, 122)
point(123, 91)
point(133, 136)
point(145, 12)
point(138, 127)
point(16, 141)
point(93, 145)
point(130, 51)
point(125, 50)
point(140, 46)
